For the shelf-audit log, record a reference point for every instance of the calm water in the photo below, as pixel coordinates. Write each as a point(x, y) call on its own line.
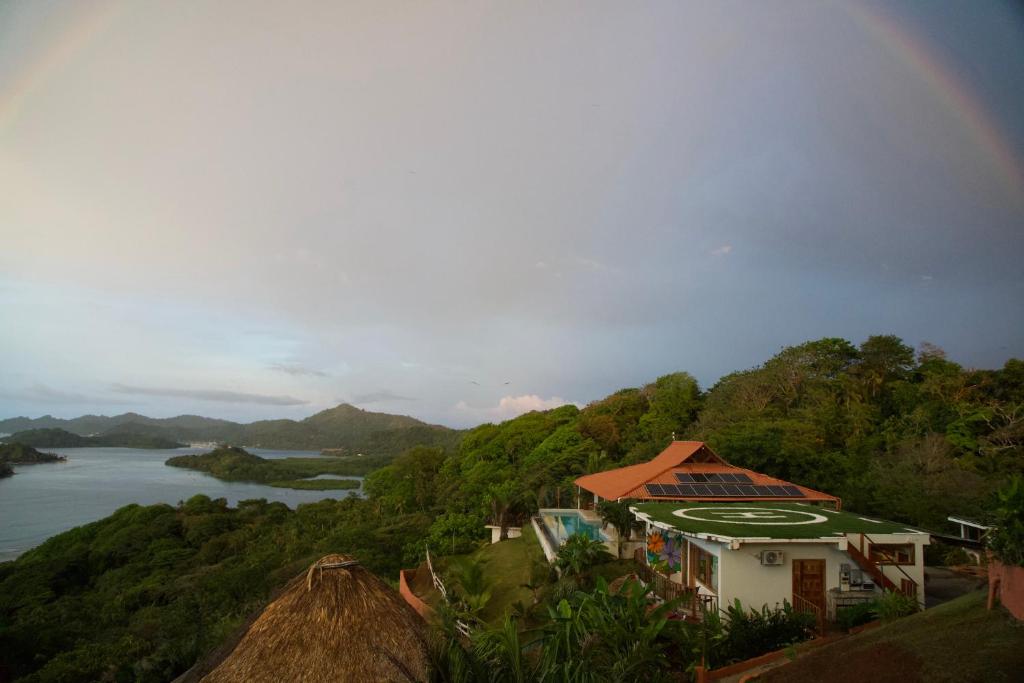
point(42, 500)
point(564, 524)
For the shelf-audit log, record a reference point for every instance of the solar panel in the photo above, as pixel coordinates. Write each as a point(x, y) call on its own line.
point(687, 490)
point(742, 479)
point(763, 490)
point(653, 489)
point(793, 491)
point(746, 490)
point(698, 477)
point(717, 489)
point(702, 489)
point(777, 490)
point(732, 490)
point(684, 477)
point(670, 489)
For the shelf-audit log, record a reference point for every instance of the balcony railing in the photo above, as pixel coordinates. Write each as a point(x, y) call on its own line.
point(691, 602)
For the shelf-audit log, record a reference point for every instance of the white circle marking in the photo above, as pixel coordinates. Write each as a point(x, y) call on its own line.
point(735, 515)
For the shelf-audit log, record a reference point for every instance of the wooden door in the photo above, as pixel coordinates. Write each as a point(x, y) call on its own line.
point(809, 582)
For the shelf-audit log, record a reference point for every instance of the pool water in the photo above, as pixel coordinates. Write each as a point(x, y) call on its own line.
point(564, 524)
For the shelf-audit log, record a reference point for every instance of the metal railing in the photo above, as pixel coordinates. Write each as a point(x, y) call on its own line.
point(802, 604)
point(667, 589)
point(461, 626)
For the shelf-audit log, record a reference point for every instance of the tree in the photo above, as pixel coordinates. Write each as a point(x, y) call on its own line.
point(1007, 538)
point(502, 498)
point(618, 515)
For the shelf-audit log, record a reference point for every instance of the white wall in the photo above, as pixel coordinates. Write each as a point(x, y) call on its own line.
point(743, 576)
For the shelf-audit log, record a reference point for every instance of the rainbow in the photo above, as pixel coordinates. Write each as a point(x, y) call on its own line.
point(77, 32)
point(955, 95)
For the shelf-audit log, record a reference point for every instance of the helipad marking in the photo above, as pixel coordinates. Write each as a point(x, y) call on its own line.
point(733, 515)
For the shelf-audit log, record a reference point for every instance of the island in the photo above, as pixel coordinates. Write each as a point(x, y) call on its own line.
point(119, 438)
point(231, 463)
point(21, 454)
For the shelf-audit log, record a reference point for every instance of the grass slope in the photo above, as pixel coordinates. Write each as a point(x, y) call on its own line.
point(509, 565)
point(957, 641)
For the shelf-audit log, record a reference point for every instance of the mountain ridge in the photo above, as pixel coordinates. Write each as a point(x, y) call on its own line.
point(344, 426)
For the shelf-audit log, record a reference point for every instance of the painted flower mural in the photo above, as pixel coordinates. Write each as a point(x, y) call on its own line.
point(655, 543)
point(665, 552)
point(671, 553)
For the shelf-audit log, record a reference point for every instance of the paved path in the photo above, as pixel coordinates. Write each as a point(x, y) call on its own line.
point(942, 585)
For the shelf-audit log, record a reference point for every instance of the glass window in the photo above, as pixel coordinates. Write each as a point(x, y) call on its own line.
point(891, 553)
point(707, 568)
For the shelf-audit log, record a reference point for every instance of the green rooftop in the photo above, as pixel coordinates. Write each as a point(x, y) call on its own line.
point(765, 520)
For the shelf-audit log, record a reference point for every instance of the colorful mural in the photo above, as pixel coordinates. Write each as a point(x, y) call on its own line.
point(666, 551)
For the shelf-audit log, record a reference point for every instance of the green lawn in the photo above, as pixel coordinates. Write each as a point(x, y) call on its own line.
point(771, 520)
point(957, 641)
point(509, 566)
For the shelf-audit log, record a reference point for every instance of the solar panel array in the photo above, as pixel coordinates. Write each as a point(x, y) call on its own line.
point(712, 478)
point(722, 490)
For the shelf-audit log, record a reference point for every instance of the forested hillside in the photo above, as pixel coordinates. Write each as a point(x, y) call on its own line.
point(908, 436)
point(144, 593)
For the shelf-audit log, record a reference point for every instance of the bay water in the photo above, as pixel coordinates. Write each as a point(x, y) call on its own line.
point(43, 500)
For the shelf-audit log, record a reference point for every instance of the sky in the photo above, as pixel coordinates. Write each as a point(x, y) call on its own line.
point(464, 211)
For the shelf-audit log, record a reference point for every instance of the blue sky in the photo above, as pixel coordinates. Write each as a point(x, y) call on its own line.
point(461, 212)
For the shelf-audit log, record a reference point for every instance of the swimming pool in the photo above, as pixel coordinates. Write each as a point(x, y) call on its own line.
point(564, 523)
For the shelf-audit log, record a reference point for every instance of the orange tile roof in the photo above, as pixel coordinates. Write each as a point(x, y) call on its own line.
point(680, 456)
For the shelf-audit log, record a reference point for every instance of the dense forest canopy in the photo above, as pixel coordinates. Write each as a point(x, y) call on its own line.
point(908, 436)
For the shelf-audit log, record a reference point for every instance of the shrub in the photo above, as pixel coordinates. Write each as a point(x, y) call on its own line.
point(755, 632)
point(858, 614)
point(893, 605)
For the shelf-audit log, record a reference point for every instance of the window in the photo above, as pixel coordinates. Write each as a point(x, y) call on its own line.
point(891, 553)
point(706, 566)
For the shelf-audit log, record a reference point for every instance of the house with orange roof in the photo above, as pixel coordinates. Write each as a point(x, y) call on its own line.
point(713, 533)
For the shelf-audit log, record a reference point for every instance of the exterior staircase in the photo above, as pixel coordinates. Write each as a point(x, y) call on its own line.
point(865, 563)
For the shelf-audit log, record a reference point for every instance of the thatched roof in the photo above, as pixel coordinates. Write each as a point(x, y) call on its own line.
point(336, 622)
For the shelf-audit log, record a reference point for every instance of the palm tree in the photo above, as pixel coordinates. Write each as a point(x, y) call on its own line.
point(618, 515)
point(579, 554)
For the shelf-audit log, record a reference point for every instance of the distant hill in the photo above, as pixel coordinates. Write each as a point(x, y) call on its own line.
point(344, 427)
point(21, 454)
point(115, 438)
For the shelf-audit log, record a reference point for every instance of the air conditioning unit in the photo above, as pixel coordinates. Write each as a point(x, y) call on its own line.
point(773, 558)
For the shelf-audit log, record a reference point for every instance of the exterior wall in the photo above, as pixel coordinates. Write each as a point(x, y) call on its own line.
point(422, 608)
point(513, 532)
point(1006, 583)
point(743, 576)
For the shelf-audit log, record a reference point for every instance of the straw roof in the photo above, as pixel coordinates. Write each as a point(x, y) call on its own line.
point(336, 622)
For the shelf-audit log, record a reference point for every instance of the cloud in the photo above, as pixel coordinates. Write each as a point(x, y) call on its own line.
point(513, 406)
point(40, 393)
point(296, 370)
point(210, 395)
point(723, 250)
point(379, 397)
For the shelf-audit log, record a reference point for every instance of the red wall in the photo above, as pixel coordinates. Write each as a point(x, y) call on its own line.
point(1006, 582)
point(414, 600)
